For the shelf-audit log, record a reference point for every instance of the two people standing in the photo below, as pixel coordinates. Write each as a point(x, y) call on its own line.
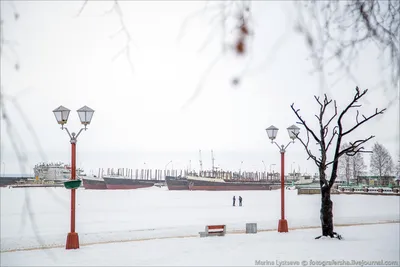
point(240, 200)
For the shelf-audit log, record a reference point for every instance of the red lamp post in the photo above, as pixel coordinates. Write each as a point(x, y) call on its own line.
point(85, 115)
point(293, 132)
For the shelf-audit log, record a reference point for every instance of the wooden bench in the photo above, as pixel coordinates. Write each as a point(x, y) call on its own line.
point(214, 230)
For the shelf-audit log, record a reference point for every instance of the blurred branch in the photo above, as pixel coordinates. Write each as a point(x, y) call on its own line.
point(30, 128)
point(126, 49)
point(124, 30)
point(339, 30)
point(229, 11)
point(202, 80)
point(194, 15)
point(17, 143)
point(82, 8)
point(5, 43)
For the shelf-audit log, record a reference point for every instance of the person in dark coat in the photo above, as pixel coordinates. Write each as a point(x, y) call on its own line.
point(234, 200)
point(240, 200)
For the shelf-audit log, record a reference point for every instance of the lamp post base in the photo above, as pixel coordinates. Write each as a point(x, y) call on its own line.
point(72, 241)
point(283, 226)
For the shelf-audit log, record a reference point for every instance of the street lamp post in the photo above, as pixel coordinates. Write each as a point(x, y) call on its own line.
point(293, 132)
point(85, 115)
point(4, 169)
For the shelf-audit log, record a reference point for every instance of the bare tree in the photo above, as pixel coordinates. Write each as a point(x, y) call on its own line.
point(324, 142)
point(351, 167)
point(381, 162)
point(357, 164)
point(344, 165)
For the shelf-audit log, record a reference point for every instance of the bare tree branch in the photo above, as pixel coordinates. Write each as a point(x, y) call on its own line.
point(357, 116)
point(353, 149)
point(192, 16)
point(357, 97)
point(310, 155)
point(304, 123)
point(334, 133)
point(329, 121)
point(239, 11)
point(365, 119)
point(82, 8)
point(343, 28)
point(202, 81)
point(124, 29)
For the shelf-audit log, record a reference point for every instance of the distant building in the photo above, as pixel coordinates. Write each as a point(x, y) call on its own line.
point(379, 181)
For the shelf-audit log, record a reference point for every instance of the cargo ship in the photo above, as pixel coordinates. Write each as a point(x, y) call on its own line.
point(6, 181)
point(93, 183)
point(217, 184)
point(176, 183)
point(55, 171)
point(121, 182)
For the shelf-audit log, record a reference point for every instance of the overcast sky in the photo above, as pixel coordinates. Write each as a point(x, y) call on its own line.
point(143, 116)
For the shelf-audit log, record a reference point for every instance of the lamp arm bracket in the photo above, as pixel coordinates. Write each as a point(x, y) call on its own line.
point(277, 145)
point(287, 145)
point(76, 137)
point(70, 137)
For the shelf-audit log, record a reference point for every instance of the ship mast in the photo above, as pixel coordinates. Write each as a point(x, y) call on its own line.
point(212, 160)
point(201, 162)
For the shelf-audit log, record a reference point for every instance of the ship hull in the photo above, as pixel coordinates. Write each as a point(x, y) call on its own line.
point(94, 184)
point(6, 181)
point(232, 188)
point(175, 183)
point(215, 185)
point(126, 183)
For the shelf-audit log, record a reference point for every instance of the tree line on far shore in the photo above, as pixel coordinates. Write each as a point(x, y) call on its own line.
point(381, 164)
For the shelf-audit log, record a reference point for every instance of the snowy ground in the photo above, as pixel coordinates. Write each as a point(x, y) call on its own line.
point(39, 217)
point(362, 244)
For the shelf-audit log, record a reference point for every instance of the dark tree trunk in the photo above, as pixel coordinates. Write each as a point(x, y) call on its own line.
point(326, 212)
